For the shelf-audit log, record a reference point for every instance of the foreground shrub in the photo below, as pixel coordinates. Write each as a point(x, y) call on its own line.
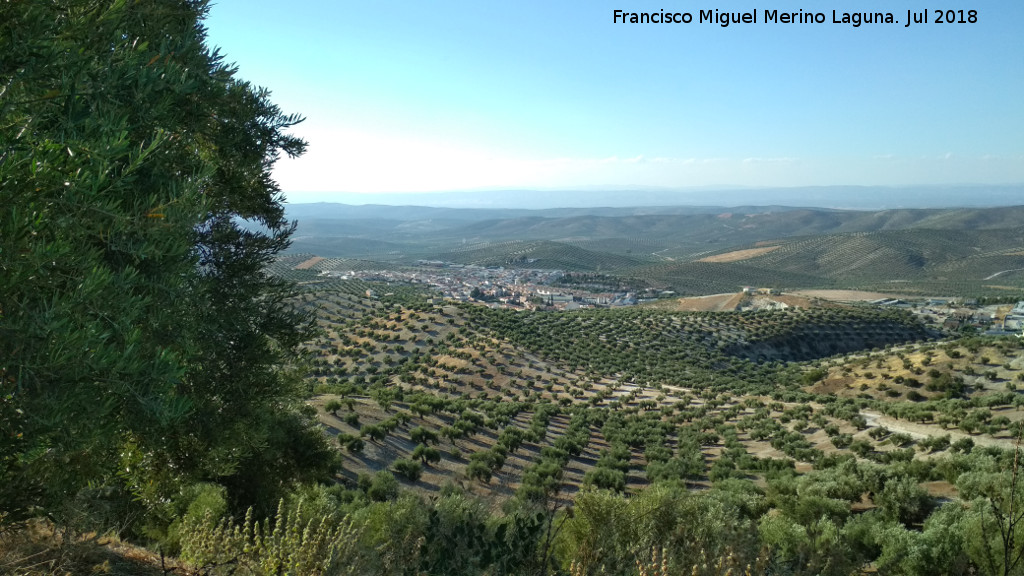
point(284, 545)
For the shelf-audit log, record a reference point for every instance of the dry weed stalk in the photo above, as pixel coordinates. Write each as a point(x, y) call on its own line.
point(284, 544)
point(727, 565)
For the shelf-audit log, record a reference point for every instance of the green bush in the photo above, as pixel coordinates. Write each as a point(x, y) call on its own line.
point(381, 487)
point(410, 469)
point(605, 478)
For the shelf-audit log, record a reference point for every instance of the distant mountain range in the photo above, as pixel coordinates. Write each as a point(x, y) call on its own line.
point(840, 197)
point(663, 226)
point(692, 249)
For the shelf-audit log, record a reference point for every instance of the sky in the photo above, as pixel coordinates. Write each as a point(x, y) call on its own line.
point(441, 95)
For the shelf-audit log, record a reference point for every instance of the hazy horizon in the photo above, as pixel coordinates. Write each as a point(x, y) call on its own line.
point(833, 197)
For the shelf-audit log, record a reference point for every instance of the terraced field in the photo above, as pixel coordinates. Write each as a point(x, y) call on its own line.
point(504, 403)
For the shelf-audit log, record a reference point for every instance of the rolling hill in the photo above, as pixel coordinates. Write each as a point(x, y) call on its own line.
point(694, 250)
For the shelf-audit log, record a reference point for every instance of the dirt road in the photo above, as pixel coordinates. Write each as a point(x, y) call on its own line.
point(920, 431)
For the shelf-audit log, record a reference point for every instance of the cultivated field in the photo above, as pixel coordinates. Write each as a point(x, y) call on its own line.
point(501, 403)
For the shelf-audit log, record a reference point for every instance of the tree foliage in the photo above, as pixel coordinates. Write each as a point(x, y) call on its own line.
point(141, 342)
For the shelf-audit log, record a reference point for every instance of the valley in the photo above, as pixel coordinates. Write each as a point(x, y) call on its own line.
point(600, 300)
point(501, 402)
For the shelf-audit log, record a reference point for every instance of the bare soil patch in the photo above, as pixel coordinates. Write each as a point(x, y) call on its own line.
point(940, 489)
point(307, 264)
point(738, 255)
point(712, 303)
point(833, 385)
point(844, 295)
point(802, 302)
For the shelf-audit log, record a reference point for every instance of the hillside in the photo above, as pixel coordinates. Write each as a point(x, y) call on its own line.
point(531, 376)
point(966, 252)
point(549, 406)
point(740, 421)
point(191, 384)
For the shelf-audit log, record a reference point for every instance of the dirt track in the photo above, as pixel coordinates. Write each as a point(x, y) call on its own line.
point(919, 431)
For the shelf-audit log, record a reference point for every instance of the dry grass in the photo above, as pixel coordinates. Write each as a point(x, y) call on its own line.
point(658, 565)
point(37, 549)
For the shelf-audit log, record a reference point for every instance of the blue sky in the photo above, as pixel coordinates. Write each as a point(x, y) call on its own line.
point(410, 96)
